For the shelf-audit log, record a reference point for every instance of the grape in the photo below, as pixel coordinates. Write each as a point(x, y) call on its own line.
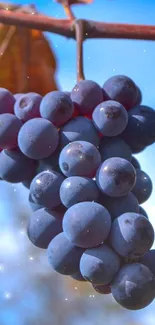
point(44, 189)
point(57, 107)
point(134, 286)
point(67, 93)
point(27, 183)
point(43, 226)
point(27, 106)
point(78, 276)
point(50, 163)
point(86, 95)
point(120, 205)
point(110, 118)
point(77, 189)
point(139, 97)
point(114, 147)
point(140, 131)
point(15, 167)
point(38, 138)
point(137, 149)
point(132, 235)
point(87, 224)
point(142, 110)
point(7, 101)
point(63, 256)
point(34, 206)
point(18, 95)
point(116, 177)
point(135, 163)
point(143, 212)
point(149, 260)
point(79, 129)
point(99, 265)
point(103, 289)
point(121, 89)
point(143, 186)
point(9, 128)
point(79, 158)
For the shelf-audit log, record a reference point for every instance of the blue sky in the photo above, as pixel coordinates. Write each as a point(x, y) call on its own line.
point(27, 281)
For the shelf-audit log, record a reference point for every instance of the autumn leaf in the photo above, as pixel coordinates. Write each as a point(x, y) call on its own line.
point(27, 61)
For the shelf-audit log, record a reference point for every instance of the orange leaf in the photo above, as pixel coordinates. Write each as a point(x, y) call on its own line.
point(27, 61)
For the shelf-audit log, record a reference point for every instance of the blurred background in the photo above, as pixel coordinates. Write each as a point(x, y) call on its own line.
point(30, 292)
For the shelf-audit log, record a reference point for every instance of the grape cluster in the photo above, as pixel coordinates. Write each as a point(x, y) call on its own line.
point(74, 152)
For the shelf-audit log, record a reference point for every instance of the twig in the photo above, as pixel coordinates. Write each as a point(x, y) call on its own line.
point(79, 31)
point(69, 12)
point(93, 29)
point(67, 8)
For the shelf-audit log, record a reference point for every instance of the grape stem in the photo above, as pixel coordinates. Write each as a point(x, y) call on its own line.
point(79, 32)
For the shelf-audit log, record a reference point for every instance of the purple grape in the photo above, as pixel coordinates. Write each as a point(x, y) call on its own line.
point(119, 205)
point(27, 183)
point(57, 107)
point(27, 106)
point(137, 148)
point(114, 147)
point(122, 89)
point(9, 129)
point(149, 260)
point(38, 138)
point(132, 235)
point(67, 93)
point(110, 118)
point(143, 186)
point(102, 289)
point(18, 95)
point(50, 163)
point(77, 189)
point(63, 256)
point(135, 163)
point(134, 286)
point(116, 177)
point(87, 224)
point(43, 226)
point(139, 97)
point(86, 95)
point(140, 131)
point(78, 276)
point(143, 212)
point(79, 158)
point(15, 167)
point(34, 206)
point(99, 265)
point(7, 101)
point(79, 129)
point(143, 110)
point(44, 189)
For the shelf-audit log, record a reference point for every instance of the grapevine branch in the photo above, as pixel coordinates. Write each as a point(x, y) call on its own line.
point(77, 29)
point(65, 27)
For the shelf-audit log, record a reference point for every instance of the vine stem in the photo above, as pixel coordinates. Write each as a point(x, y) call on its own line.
point(79, 32)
